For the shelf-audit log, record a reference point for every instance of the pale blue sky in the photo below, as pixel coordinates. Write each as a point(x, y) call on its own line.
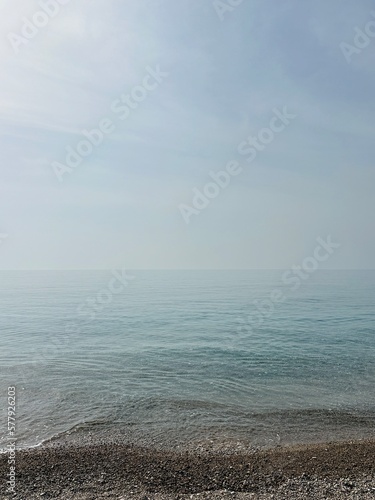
point(120, 207)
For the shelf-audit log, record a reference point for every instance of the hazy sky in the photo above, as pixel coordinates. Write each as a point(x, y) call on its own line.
point(227, 72)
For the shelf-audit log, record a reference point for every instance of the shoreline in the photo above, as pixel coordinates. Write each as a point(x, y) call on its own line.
point(122, 471)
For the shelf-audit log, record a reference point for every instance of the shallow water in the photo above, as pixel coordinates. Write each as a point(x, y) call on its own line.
point(187, 355)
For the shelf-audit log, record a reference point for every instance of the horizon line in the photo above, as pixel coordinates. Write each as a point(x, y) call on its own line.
point(184, 269)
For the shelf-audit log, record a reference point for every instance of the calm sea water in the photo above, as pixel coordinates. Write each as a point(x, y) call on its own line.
point(167, 359)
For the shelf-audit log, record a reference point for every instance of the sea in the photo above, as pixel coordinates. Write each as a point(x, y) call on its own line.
point(181, 358)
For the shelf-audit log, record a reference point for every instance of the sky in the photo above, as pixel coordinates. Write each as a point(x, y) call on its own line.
point(203, 77)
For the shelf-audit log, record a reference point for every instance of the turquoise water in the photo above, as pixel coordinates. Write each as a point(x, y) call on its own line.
point(183, 356)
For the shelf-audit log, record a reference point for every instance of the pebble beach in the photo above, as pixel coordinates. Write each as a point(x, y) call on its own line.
point(122, 471)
